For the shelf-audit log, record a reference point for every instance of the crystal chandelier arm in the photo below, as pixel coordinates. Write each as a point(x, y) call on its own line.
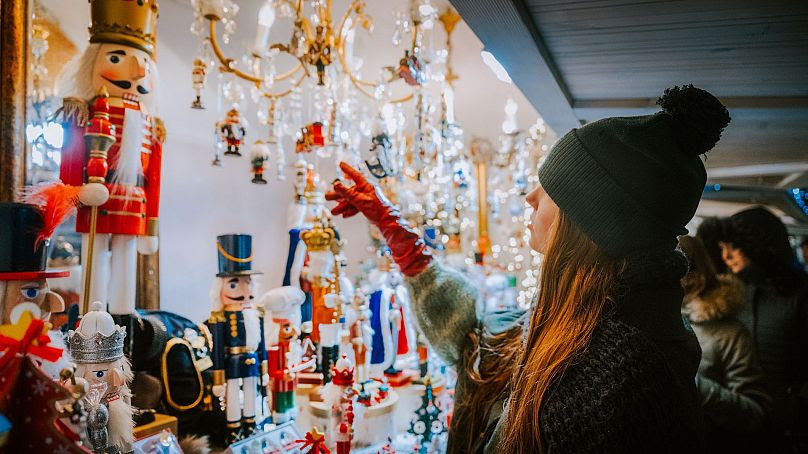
point(281, 94)
point(229, 66)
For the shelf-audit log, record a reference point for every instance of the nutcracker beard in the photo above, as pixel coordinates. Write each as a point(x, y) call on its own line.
point(120, 424)
point(115, 255)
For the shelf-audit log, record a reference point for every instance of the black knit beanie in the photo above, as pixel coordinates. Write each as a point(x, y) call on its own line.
point(633, 183)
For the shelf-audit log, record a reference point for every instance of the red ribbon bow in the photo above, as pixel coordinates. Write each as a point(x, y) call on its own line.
point(317, 444)
point(25, 346)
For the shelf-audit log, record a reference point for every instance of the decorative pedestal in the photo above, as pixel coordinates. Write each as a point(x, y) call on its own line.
point(372, 425)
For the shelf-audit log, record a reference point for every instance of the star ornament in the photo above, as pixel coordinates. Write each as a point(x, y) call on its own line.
point(28, 335)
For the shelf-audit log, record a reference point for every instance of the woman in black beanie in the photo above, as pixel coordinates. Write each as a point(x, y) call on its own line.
point(755, 247)
point(602, 362)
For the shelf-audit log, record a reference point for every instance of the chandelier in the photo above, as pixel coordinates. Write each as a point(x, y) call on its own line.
point(319, 65)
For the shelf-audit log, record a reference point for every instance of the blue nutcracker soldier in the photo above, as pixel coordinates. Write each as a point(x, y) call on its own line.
point(237, 326)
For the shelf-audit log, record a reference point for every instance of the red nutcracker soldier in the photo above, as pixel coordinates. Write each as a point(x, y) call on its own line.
point(120, 61)
point(285, 360)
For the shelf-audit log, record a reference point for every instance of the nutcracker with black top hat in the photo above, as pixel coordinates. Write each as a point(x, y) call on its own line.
point(237, 328)
point(25, 232)
point(122, 204)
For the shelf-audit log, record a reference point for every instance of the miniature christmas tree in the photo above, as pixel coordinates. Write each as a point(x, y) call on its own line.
point(27, 396)
point(427, 422)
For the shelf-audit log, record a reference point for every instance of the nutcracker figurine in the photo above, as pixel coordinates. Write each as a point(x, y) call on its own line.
point(325, 299)
point(319, 52)
point(198, 82)
point(382, 298)
point(231, 132)
point(97, 349)
point(339, 396)
point(237, 328)
point(259, 155)
point(119, 61)
point(357, 319)
point(285, 361)
point(307, 209)
point(25, 232)
point(281, 303)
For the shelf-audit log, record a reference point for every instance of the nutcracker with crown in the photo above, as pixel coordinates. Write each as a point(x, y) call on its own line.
point(96, 347)
point(326, 301)
point(25, 233)
point(120, 60)
point(237, 328)
point(306, 209)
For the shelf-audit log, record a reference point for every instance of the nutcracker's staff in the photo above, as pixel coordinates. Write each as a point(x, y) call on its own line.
point(99, 135)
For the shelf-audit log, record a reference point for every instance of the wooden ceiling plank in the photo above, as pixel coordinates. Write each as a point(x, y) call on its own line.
point(507, 31)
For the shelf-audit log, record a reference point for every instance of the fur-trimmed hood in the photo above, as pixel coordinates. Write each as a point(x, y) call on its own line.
point(723, 301)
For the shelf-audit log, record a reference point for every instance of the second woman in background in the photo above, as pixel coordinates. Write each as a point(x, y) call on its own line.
point(730, 381)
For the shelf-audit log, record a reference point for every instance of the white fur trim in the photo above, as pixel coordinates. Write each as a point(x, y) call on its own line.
point(128, 165)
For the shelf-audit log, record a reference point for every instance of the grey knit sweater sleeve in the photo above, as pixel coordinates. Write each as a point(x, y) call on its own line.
point(444, 303)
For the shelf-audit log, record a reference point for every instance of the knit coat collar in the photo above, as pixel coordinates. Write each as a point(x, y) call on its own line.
point(649, 293)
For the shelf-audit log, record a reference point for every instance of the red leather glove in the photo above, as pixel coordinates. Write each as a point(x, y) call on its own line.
point(409, 250)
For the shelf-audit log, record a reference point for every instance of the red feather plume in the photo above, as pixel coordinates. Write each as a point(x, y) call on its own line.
point(56, 201)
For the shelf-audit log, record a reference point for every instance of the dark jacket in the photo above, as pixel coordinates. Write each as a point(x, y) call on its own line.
point(730, 381)
point(631, 390)
point(777, 318)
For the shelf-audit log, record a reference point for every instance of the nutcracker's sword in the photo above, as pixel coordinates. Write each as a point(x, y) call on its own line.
point(99, 135)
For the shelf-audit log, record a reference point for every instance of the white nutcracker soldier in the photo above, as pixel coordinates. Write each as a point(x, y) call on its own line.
point(120, 61)
point(239, 351)
point(96, 347)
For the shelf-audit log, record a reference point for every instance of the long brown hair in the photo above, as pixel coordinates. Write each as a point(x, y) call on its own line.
point(702, 278)
point(577, 283)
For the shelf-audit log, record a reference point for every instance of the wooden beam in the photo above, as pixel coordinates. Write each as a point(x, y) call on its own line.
point(507, 30)
point(13, 53)
point(750, 107)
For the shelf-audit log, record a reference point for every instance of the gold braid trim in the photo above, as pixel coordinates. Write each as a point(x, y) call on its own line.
point(73, 109)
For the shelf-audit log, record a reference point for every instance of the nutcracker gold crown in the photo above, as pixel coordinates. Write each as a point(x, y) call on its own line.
point(318, 238)
point(127, 22)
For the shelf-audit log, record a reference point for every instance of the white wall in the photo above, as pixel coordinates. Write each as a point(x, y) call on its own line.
point(200, 201)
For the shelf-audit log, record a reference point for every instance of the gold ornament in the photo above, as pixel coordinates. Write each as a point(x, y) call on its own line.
point(126, 22)
point(318, 238)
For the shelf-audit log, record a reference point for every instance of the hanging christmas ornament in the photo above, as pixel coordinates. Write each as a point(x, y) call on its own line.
point(231, 132)
point(384, 166)
point(319, 52)
point(310, 137)
point(409, 69)
point(259, 155)
point(198, 82)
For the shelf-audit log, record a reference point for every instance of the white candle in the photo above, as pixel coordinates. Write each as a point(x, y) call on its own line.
point(266, 17)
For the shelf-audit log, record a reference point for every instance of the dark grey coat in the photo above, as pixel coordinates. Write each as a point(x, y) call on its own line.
point(730, 381)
